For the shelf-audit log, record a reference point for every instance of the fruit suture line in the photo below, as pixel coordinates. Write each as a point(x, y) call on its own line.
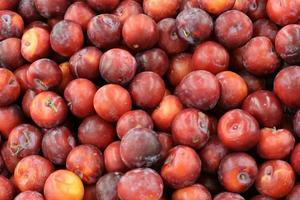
point(149, 99)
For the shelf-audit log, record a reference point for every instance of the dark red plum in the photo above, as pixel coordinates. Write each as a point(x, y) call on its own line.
point(106, 187)
point(140, 32)
point(155, 60)
point(96, 131)
point(57, 143)
point(190, 127)
point(287, 43)
point(233, 29)
point(169, 39)
point(140, 147)
point(199, 89)
point(104, 31)
point(117, 66)
point(194, 25)
point(265, 107)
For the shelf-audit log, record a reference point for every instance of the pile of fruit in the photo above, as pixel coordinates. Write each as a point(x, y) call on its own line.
point(149, 99)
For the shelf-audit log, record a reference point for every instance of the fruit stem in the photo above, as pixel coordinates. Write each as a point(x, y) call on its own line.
point(51, 104)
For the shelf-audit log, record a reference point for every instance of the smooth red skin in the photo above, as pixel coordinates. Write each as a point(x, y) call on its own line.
point(87, 162)
point(106, 187)
point(21, 76)
point(80, 13)
point(141, 183)
point(31, 173)
point(39, 38)
point(242, 5)
point(266, 60)
point(231, 168)
point(140, 147)
point(212, 154)
point(27, 10)
point(11, 24)
point(233, 89)
point(275, 144)
point(94, 130)
point(189, 4)
point(210, 56)
point(7, 190)
point(166, 111)
point(133, 119)
point(12, 116)
point(287, 43)
point(199, 89)
point(262, 197)
point(126, 9)
point(140, 32)
point(265, 107)
point(90, 192)
point(175, 172)
point(44, 74)
point(287, 86)
point(85, 63)
point(57, 144)
point(166, 143)
point(296, 124)
point(26, 101)
point(10, 160)
point(265, 27)
point(46, 116)
point(217, 7)
point(228, 196)
point(294, 160)
point(254, 83)
point(257, 9)
point(24, 140)
point(11, 58)
point(9, 87)
point(117, 66)
point(181, 64)
point(233, 29)
point(169, 39)
point(238, 130)
point(81, 101)
point(190, 127)
point(155, 60)
point(194, 25)
point(275, 178)
point(7, 5)
point(294, 194)
point(159, 10)
point(283, 12)
point(51, 8)
point(112, 158)
point(104, 31)
point(103, 5)
point(193, 192)
point(66, 38)
point(147, 90)
point(32, 195)
point(111, 102)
